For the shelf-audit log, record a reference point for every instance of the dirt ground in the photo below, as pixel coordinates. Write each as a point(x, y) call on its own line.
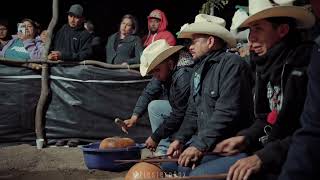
point(25, 162)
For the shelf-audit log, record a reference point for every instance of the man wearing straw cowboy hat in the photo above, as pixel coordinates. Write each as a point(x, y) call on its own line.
point(220, 102)
point(281, 60)
point(160, 59)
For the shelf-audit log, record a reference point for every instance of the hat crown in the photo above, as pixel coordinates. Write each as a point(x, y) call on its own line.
point(238, 18)
point(200, 18)
point(76, 9)
point(155, 14)
point(152, 51)
point(256, 6)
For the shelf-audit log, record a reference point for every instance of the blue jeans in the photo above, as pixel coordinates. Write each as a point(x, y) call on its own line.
point(158, 110)
point(214, 164)
point(209, 164)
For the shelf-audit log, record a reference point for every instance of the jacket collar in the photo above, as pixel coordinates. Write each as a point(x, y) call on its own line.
point(129, 38)
point(202, 67)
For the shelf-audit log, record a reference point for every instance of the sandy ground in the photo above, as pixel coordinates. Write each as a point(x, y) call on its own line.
point(28, 163)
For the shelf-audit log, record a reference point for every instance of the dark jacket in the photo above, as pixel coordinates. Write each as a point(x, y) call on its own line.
point(151, 92)
point(303, 157)
point(156, 89)
point(178, 88)
point(293, 92)
point(128, 50)
point(73, 43)
point(220, 102)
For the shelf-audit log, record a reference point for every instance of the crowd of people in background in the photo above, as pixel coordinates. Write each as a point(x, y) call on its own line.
point(242, 106)
point(77, 41)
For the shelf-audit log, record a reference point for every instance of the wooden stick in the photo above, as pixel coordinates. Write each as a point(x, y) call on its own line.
point(145, 160)
point(212, 177)
point(158, 159)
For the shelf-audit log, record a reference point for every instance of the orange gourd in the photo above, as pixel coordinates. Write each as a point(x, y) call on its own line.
point(116, 142)
point(144, 170)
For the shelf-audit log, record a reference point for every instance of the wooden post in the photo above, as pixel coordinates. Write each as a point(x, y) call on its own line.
point(40, 114)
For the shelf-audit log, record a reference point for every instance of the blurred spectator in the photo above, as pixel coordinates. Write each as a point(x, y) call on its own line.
point(124, 47)
point(72, 41)
point(97, 49)
point(44, 36)
point(303, 156)
point(157, 26)
point(23, 46)
point(4, 36)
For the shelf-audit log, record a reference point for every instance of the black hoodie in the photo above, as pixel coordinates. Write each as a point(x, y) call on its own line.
point(73, 43)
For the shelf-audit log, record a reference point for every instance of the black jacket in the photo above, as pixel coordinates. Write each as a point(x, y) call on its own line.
point(73, 43)
point(303, 157)
point(152, 91)
point(129, 50)
point(293, 89)
point(220, 102)
point(178, 89)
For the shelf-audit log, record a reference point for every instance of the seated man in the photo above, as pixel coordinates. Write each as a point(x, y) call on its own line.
point(157, 26)
point(161, 60)
point(72, 41)
point(220, 102)
point(281, 60)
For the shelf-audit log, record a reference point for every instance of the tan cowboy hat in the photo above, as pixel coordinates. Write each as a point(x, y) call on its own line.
point(154, 54)
point(261, 9)
point(211, 25)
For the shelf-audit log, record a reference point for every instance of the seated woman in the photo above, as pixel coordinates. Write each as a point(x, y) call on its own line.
point(24, 45)
point(124, 47)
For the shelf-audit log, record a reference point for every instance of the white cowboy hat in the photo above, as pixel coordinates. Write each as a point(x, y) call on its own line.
point(238, 18)
point(261, 9)
point(154, 54)
point(211, 25)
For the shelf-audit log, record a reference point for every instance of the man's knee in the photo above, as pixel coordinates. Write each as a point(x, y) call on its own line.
point(153, 106)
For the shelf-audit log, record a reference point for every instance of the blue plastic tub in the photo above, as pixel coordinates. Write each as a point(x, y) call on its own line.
point(103, 159)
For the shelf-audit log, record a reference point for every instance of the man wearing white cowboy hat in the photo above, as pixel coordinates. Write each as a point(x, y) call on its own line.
point(281, 61)
point(161, 60)
point(220, 102)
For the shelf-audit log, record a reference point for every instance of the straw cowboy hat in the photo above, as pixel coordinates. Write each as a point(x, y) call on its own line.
point(211, 25)
point(261, 9)
point(154, 54)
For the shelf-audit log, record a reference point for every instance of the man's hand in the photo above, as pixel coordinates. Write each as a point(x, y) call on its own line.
point(191, 154)
point(174, 149)
point(130, 122)
point(230, 146)
point(54, 55)
point(150, 144)
point(244, 167)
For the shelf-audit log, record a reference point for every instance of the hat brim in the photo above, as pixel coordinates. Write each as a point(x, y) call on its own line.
point(304, 18)
point(210, 29)
point(73, 14)
point(159, 59)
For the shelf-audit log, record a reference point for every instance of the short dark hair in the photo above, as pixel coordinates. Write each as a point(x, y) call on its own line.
point(4, 22)
point(134, 22)
point(277, 21)
point(293, 34)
